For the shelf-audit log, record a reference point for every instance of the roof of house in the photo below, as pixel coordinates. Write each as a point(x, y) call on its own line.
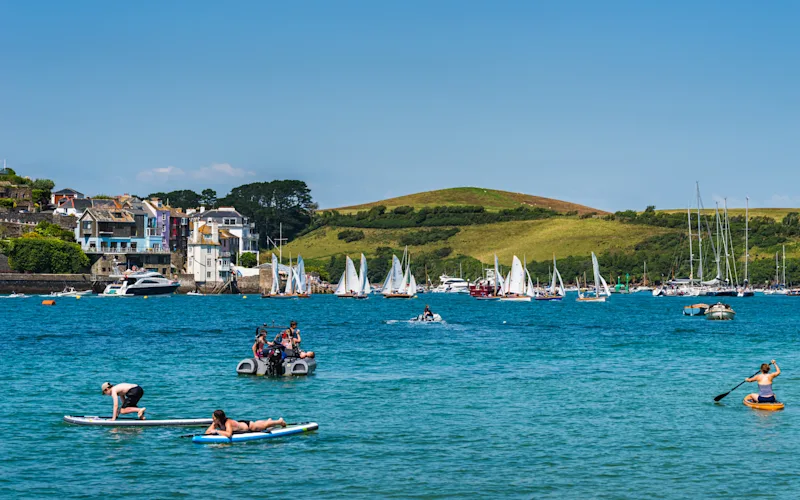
point(105, 203)
point(101, 215)
point(76, 203)
point(218, 213)
point(224, 234)
point(177, 212)
point(69, 191)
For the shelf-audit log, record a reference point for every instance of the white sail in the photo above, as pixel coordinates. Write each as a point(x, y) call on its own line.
point(394, 279)
point(557, 290)
point(412, 286)
point(596, 269)
point(353, 283)
point(300, 276)
point(276, 282)
point(496, 275)
point(341, 288)
point(364, 287)
point(289, 289)
point(404, 283)
point(529, 291)
point(516, 278)
point(606, 291)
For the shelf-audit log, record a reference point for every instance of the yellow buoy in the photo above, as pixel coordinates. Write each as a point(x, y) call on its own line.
point(145, 296)
point(77, 297)
point(244, 296)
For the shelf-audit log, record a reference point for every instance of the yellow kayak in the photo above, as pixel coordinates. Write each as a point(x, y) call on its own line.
point(762, 406)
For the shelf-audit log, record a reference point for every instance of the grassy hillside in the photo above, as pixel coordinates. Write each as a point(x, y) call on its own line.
point(537, 240)
point(774, 213)
point(491, 199)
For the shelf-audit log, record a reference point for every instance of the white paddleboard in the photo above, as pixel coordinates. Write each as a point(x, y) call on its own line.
point(253, 436)
point(135, 422)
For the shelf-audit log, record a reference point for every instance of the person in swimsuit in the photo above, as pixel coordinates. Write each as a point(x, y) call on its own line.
point(764, 379)
point(224, 426)
point(261, 339)
point(290, 339)
point(427, 313)
point(130, 395)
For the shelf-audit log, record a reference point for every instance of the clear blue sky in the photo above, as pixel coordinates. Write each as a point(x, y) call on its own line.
point(610, 104)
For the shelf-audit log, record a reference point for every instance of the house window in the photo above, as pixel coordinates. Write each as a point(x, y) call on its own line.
point(133, 245)
point(208, 274)
point(164, 217)
point(87, 224)
point(208, 262)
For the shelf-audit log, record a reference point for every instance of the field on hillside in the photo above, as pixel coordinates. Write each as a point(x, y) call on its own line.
point(536, 240)
point(775, 213)
point(492, 200)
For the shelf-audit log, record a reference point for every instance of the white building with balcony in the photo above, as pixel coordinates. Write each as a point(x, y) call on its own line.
point(230, 220)
point(208, 255)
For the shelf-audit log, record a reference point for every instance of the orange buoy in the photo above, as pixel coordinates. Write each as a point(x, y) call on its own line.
point(48, 302)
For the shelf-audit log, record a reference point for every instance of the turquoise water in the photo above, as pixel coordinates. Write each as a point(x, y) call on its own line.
point(507, 399)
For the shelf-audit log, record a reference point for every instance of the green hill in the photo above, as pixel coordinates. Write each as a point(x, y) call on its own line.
point(491, 199)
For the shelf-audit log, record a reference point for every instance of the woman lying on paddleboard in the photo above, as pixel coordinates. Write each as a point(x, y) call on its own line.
point(225, 426)
point(764, 379)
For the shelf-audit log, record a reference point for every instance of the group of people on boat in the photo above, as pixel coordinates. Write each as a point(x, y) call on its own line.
point(288, 341)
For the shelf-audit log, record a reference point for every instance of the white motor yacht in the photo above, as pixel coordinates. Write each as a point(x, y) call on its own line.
point(141, 283)
point(450, 284)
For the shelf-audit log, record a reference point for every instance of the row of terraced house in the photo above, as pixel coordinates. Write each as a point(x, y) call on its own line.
point(126, 233)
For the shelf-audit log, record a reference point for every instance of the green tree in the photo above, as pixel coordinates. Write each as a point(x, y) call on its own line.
point(37, 254)
point(49, 230)
point(248, 260)
point(208, 198)
point(183, 199)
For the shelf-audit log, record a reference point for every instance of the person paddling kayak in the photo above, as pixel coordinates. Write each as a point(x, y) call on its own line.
point(224, 426)
point(764, 379)
point(130, 395)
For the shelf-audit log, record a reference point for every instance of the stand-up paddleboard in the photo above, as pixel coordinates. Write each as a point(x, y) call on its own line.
point(135, 422)
point(762, 406)
point(252, 436)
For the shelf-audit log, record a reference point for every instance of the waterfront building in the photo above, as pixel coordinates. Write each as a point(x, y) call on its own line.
point(232, 221)
point(209, 253)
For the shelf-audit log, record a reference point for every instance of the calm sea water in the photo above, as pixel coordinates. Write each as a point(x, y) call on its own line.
point(506, 399)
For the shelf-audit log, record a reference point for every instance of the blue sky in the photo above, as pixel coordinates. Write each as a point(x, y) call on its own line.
point(610, 104)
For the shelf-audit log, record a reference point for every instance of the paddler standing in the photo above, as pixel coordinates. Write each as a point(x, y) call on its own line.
point(764, 379)
point(130, 395)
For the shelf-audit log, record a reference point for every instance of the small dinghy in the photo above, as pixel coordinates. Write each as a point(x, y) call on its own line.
point(195, 293)
point(720, 312)
point(695, 310)
point(423, 319)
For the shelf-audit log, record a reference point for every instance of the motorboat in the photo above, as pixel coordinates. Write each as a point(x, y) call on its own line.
point(195, 293)
point(423, 319)
point(450, 284)
point(15, 295)
point(695, 310)
point(70, 292)
point(141, 283)
point(720, 311)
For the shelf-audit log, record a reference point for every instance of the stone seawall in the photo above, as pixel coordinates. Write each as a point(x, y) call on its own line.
point(46, 283)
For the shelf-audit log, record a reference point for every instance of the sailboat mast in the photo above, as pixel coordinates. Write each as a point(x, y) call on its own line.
point(691, 255)
point(699, 239)
point(784, 265)
point(746, 231)
point(719, 249)
point(730, 241)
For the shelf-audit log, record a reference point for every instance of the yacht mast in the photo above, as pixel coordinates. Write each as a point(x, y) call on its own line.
point(784, 265)
point(691, 255)
point(699, 239)
point(746, 230)
point(718, 249)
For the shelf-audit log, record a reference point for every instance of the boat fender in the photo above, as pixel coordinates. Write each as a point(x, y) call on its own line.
point(48, 302)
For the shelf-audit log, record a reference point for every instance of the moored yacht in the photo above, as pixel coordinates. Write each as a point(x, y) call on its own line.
point(141, 283)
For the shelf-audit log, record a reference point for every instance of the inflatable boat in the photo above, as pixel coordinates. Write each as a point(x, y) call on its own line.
point(288, 367)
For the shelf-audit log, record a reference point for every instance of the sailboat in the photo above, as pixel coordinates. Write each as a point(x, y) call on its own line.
point(302, 289)
point(407, 287)
point(275, 289)
point(556, 290)
point(349, 284)
point(746, 291)
point(599, 296)
point(364, 288)
point(394, 278)
point(515, 287)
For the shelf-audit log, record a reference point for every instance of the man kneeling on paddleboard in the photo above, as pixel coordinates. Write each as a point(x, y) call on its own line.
point(225, 426)
point(130, 395)
point(764, 379)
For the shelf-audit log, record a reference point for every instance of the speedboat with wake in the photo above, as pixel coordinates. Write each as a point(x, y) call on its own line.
point(422, 318)
point(70, 292)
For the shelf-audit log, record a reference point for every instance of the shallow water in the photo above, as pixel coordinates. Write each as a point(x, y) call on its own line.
point(537, 400)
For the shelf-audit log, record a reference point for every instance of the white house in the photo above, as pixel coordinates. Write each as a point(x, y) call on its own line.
point(230, 220)
point(208, 254)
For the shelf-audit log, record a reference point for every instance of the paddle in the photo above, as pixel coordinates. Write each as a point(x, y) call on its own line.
point(740, 383)
point(243, 432)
